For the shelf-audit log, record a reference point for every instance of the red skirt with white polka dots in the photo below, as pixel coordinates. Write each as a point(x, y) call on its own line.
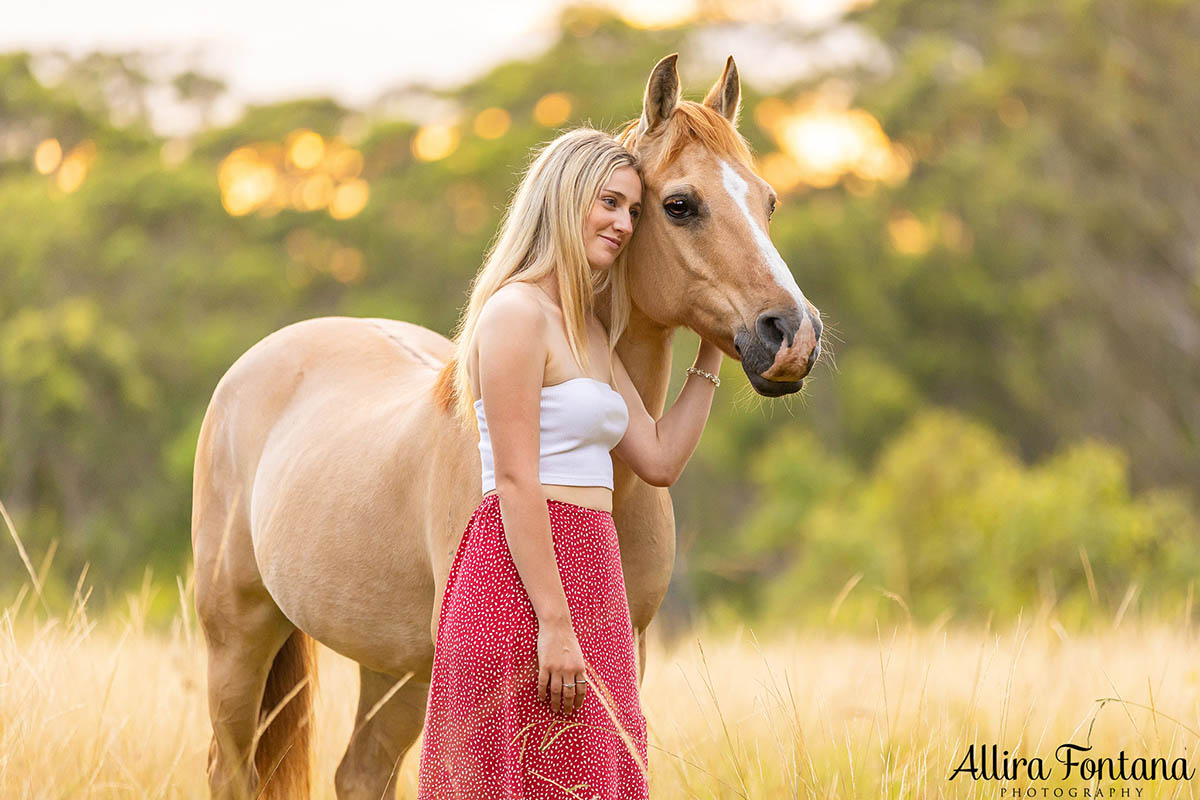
point(487, 736)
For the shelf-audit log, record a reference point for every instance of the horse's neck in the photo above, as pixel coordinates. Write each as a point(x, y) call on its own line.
point(645, 350)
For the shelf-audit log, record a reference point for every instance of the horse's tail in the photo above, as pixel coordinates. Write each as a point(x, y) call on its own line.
point(283, 754)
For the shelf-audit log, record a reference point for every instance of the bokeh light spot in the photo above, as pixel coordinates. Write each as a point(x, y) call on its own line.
point(48, 156)
point(827, 143)
point(908, 234)
point(316, 192)
point(492, 123)
point(344, 164)
point(305, 148)
point(552, 109)
point(74, 167)
point(349, 199)
point(435, 142)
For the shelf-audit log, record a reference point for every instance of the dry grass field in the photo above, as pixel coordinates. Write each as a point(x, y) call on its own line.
point(112, 708)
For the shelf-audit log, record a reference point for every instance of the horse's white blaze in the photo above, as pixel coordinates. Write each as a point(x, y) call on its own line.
point(738, 189)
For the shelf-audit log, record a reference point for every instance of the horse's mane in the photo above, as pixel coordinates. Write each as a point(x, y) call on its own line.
point(445, 393)
point(690, 123)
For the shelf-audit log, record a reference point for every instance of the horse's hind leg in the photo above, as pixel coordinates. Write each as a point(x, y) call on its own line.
point(240, 653)
point(243, 629)
point(372, 761)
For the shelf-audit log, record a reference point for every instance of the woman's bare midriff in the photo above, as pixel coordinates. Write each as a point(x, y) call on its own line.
point(597, 497)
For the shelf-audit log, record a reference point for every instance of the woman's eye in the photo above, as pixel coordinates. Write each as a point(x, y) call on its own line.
point(611, 200)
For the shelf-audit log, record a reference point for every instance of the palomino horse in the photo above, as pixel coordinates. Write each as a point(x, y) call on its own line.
point(332, 484)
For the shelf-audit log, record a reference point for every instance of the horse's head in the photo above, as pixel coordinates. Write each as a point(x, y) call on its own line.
point(703, 254)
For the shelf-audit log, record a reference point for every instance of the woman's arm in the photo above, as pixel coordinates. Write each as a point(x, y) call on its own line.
point(658, 450)
point(512, 365)
point(512, 361)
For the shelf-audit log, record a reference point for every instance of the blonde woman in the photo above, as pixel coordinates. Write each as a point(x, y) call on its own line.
point(534, 685)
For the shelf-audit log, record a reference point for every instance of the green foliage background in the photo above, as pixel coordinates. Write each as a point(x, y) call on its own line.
point(1011, 425)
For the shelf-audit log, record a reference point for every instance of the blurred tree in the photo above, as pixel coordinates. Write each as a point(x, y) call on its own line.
point(1037, 270)
point(201, 90)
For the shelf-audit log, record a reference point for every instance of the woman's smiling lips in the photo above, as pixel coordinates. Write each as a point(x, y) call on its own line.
point(615, 244)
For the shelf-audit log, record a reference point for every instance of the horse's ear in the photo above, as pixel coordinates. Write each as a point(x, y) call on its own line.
point(662, 94)
point(725, 97)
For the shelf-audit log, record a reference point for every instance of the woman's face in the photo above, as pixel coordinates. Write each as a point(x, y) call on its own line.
point(609, 224)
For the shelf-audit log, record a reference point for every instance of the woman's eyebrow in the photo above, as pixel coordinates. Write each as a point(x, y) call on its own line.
point(621, 195)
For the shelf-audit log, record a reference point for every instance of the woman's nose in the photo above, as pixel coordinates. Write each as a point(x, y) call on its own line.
point(623, 223)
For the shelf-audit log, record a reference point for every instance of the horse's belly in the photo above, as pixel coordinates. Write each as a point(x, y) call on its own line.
point(337, 551)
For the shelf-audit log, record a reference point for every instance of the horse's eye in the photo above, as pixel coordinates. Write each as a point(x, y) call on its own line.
point(677, 207)
point(771, 213)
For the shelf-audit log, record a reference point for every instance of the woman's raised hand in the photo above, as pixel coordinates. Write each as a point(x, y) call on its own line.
point(560, 665)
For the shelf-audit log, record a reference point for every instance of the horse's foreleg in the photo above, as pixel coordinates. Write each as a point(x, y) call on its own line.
point(239, 660)
point(382, 734)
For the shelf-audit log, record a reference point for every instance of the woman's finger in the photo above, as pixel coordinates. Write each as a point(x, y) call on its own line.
point(543, 684)
point(581, 688)
point(556, 692)
point(568, 695)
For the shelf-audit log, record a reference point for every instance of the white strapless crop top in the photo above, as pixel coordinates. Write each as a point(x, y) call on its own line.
point(582, 420)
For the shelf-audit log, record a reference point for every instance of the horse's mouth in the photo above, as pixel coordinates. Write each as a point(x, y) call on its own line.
point(770, 388)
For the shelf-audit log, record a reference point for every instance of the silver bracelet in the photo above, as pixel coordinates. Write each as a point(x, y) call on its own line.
point(695, 371)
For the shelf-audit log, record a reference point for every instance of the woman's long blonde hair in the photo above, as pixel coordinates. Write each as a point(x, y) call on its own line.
point(541, 233)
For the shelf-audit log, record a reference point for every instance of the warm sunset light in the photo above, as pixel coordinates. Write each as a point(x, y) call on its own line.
point(250, 187)
point(771, 112)
point(349, 199)
point(75, 166)
point(305, 149)
point(821, 143)
point(306, 174)
point(343, 163)
point(654, 14)
point(908, 234)
point(316, 192)
point(47, 156)
point(435, 142)
point(492, 123)
point(659, 14)
point(781, 171)
point(553, 109)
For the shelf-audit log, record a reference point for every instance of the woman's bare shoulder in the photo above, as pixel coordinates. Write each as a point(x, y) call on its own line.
point(513, 310)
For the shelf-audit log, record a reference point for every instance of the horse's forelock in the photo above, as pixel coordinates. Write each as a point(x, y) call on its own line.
point(691, 123)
